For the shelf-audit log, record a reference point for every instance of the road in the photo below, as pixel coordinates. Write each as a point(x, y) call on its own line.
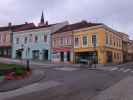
point(66, 83)
point(80, 84)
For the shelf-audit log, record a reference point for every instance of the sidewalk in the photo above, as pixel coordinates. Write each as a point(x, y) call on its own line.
point(9, 85)
point(51, 65)
point(123, 90)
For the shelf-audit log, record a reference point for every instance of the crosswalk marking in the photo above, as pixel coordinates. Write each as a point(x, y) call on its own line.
point(126, 70)
point(114, 69)
point(121, 69)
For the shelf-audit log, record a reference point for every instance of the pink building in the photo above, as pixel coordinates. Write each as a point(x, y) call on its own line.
point(6, 34)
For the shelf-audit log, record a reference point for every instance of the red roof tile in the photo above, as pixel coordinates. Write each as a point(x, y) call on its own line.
point(17, 27)
point(82, 24)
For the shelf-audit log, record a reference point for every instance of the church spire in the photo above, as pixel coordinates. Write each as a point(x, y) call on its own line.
point(42, 22)
point(42, 19)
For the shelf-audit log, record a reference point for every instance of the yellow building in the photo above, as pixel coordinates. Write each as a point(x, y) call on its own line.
point(97, 43)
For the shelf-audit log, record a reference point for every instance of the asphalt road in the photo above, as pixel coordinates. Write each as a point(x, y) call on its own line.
point(80, 84)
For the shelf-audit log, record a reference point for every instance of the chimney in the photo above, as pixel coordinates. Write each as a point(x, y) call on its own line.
point(26, 22)
point(46, 22)
point(9, 24)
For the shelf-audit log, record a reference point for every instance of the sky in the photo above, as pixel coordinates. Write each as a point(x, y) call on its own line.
point(117, 14)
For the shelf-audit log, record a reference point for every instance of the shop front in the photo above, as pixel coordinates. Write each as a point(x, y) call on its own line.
point(62, 55)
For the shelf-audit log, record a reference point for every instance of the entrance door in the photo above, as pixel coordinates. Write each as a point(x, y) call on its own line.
point(68, 56)
point(62, 56)
point(45, 54)
point(19, 54)
point(109, 57)
point(35, 54)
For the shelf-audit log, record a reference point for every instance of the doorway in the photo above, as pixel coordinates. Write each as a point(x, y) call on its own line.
point(45, 54)
point(109, 57)
point(18, 54)
point(68, 56)
point(62, 56)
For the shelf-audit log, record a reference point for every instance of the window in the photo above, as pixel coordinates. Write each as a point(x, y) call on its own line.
point(17, 40)
point(110, 39)
point(45, 38)
point(114, 55)
point(36, 38)
point(76, 41)
point(4, 38)
point(61, 41)
point(107, 38)
point(30, 40)
point(94, 40)
point(84, 40)
point(25, 40)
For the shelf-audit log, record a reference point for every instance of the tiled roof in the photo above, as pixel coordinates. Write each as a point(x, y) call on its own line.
point(18, 27)
point(35, 27)
point(75, 26)
point(25, 26)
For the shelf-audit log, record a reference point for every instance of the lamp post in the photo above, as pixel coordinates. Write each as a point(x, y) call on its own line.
point(95, 56)
point(28, 60)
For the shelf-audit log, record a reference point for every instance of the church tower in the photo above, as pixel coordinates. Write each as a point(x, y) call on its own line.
point(42, 22)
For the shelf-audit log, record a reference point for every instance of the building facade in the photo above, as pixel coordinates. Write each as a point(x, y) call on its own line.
point(89, 42)
point(99, 44)
point(130, 50)
point(34, 43)
point(125, 41)
point(6, 38)
point(62, 47)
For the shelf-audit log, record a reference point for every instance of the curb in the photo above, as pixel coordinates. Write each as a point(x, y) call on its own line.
point(1, 79)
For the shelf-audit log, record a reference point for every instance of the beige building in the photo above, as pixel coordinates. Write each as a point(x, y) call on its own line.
point(130, 50)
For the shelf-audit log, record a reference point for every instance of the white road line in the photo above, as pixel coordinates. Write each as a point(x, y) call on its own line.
point(126, 70)
point(29, 89)
point(121, 69)
point(114, 69)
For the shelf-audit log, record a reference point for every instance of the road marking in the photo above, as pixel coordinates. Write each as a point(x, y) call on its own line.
point(114, 69)
point(121, 69)
point(126, 70)
point(29, 89)
point(66, 69)
point(132, 71)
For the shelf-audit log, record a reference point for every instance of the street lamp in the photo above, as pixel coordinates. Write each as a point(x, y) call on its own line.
point(95, 56)
point(28, 60)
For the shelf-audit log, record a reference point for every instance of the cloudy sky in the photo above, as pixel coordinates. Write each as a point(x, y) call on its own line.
point(118, 14)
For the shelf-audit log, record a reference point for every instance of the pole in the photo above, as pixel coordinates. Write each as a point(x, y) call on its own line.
point(28, 61)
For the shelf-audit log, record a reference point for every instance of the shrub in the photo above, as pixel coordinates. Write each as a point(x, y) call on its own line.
point(19, 71)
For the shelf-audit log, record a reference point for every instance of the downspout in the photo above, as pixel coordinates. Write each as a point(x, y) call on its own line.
point(73, 47)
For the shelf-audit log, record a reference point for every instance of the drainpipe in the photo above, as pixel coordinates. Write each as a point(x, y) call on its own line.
point(73, 47)
point(51, 48)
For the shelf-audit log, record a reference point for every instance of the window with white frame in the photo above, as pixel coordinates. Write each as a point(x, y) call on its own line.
point(25, 40)
point(17, 40)
point(36, 38)
point(45, 38)
point(85, 40)
point(94, 40)
point(61, 41)
point(76, 41)
point(30, 39)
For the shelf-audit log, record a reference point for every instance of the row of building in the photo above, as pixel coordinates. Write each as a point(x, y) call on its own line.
point(65, 43)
